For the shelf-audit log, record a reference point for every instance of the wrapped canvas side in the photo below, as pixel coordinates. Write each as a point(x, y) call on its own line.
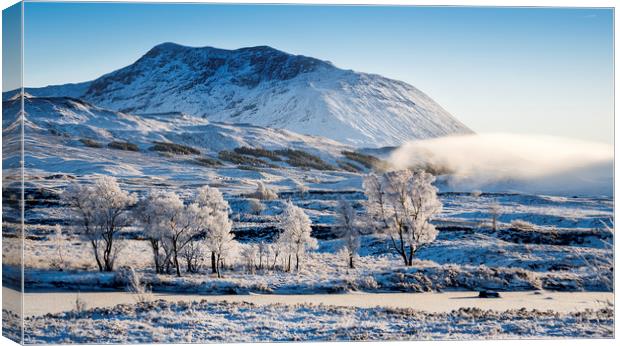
point(12, 173)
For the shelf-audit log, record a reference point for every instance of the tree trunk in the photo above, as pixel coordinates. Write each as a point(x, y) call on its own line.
point(213, 264)
point(410, 263)
point(218, 266)
point(351, 262)
point(108, 261)
point(296, 262)
point(155, 247)
point(188, 259)
point(177, 267)
point(96, 252)
point(275, 260)
point(288, 263)
point(175, 258)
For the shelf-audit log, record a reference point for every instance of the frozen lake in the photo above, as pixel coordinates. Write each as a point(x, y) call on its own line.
point(42, 303)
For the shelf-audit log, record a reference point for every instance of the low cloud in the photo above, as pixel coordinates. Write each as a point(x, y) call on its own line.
point(510, 162)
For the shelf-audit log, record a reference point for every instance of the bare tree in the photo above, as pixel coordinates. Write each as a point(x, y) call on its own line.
point(100, 209)
point(193, 255)
point(401, 205)
point(263, 254)
point(249, 254)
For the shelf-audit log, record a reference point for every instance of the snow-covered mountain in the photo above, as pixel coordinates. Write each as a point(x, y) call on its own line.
point(266, 87)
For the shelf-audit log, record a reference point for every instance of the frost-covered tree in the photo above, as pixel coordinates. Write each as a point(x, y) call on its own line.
point(275, 250)
point(101, 211)
point(296, 233)
point(263, 192)
point(218, 228)
point(263, 253)
point(220, 240)
point(255, 206)
point(180, 224)
point(173, 224)
point(60, 248)
point(401, 204)
point(149, 213)
point(348, 229)
point(301, 188)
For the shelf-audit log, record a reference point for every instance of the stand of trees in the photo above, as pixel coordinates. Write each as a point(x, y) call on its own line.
point(184, 234)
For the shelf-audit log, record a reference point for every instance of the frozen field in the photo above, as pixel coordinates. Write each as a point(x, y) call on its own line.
point(162, 321)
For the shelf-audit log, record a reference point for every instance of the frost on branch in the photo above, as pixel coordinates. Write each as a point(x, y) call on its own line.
point(295, 238)
point(100, 210)
point(348, 227)
point(263, 192)
point(219, 237)
point(401, 205)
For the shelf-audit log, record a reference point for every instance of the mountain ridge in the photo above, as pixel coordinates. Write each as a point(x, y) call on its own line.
point(268, 87)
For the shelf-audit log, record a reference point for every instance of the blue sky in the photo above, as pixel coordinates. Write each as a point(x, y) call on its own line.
point(520, 70)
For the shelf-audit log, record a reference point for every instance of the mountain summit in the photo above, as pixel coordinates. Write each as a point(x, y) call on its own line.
point(267, 87)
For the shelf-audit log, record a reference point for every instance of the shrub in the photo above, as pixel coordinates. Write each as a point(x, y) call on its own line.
point(349, 167)
point(175, 148)
point(90, 143)
point(368, 161)
point(207, 161)
point(367, 282)
point(250, 168)
point(258, 152)
point(255, 206)
point(240, 159)
point(522, 225)
point(140, 291)
point(299, 158)
point(123, 146)
point(79, 305)
point(263, 193)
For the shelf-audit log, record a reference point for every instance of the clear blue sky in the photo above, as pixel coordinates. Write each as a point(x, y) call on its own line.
point(522, 70)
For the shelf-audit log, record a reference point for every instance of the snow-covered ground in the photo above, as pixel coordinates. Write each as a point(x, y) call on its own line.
point(191, 322)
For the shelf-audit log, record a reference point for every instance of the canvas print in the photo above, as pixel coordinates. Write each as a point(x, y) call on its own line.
point(197, 173)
